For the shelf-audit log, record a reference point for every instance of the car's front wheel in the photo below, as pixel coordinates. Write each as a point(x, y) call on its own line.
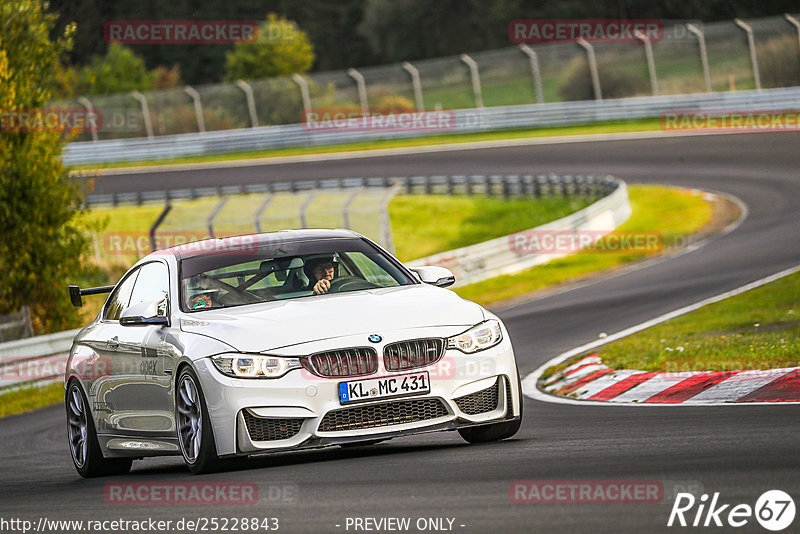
point(195, 435)
point(82, 436)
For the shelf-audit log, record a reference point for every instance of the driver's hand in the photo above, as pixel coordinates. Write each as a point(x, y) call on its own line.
point(322, 286)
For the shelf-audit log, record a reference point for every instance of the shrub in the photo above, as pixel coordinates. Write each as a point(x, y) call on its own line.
point(279, 49)
point(779, 62)
point(617, 80)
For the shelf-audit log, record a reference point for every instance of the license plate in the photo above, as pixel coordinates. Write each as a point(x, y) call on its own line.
point(382, 388)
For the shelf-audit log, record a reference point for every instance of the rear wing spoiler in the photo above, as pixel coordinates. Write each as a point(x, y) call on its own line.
point(75, 293)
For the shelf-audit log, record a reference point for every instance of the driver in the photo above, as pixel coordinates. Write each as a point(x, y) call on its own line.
point(320, 272)
point(203, 299)
point(201, 293)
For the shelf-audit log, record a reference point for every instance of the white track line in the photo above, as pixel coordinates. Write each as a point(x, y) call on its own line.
point(529, 382)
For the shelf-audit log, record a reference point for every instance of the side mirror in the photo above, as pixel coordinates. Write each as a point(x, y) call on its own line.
point(143, 314)
point(435, 276)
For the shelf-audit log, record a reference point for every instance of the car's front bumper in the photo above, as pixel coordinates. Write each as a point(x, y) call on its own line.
point(290, 412)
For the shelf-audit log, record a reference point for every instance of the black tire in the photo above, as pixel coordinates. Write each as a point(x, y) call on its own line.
point(205, 459)
point(494, 431)
point(87, 457)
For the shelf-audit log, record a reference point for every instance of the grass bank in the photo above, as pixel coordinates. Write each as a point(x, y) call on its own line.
point(421, 225)
point(759, 329)
point(671, 214)
point(30, 398)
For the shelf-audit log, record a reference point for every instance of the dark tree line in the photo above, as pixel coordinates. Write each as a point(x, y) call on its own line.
point(349, 33)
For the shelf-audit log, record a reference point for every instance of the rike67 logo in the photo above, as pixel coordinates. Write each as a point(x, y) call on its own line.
point(774, 510)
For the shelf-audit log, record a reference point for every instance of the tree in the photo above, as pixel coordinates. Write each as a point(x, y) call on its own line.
point(120, 70)
point(280, 48)
point(41, 242)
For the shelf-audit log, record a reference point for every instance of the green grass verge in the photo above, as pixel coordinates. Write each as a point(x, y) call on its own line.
point(611, 127)
point(674, 213)
point(425, 225)
point(421, 225)
point(30, 398)
point(759, 329)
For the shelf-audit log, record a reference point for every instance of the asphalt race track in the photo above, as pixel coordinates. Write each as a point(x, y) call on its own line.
point(738, 451)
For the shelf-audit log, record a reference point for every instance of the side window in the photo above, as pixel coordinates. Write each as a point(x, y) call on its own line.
point(152, 284)
point(119, 299)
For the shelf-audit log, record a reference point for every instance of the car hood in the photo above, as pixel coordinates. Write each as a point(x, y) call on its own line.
point(273, 325)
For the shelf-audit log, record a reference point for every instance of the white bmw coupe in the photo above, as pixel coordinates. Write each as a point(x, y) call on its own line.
point(282, 341)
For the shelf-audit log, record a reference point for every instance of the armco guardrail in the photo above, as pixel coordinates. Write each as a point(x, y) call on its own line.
point(35, 360)
point(481, 184)
point(464, 121)
point(496, 257)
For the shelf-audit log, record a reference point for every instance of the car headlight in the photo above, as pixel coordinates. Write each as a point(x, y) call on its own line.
point(481, 336)
point(254, 365)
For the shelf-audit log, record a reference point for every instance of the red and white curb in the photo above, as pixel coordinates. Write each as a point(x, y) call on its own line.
point(631, 388)
point(589, 379)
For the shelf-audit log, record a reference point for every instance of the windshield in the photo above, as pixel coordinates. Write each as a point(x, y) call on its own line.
point(285, 271)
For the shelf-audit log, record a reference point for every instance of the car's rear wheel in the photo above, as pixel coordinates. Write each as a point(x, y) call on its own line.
point(494, 431)
point(82, 437)
point(195, 435)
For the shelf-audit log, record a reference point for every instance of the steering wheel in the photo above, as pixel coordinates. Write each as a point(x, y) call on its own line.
point(230, 298)
point(349, 283)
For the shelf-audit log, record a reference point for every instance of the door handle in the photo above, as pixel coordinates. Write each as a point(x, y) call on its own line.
point(113, 342)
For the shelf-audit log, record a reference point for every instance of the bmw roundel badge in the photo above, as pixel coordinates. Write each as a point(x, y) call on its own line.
point(375, 338)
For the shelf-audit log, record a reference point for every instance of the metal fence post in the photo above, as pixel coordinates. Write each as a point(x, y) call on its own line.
point(537, 75)
point(148, 124)
point(260, 211)
point(98, 258)
point(213, 215)
point(198, 107)
point(26, 318)
point(416, 84)
point(346, 207)
point(475, 77)
point(386, 222)
point(304, 93)
point(651, 63)
point(362, 89)
point(251, 102)
point(701, 43)
point(598, 94)
point(304, 209)
point(156, 224)
point(794, 22)
point(86, 103)
point(751, 44)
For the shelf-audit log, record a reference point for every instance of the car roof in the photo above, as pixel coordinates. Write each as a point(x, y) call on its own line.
point(248, 241)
